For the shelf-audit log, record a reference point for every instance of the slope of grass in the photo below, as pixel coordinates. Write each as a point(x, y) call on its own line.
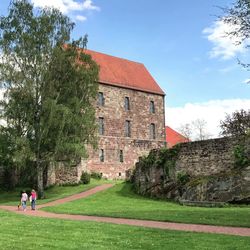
point(22, 232)
point(52, 193)
point(120, 201)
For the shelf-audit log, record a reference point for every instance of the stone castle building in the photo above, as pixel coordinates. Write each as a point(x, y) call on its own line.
point(130, 113)
point(131, 117)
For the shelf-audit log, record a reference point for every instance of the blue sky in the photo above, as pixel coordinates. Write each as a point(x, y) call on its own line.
point(177, 41)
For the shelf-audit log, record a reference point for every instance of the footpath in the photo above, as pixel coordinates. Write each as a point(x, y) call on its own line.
point(132, 222)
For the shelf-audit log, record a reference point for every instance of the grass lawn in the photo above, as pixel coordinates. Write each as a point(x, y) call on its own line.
point(23, 232)
point(52, 193)
point(120, 201)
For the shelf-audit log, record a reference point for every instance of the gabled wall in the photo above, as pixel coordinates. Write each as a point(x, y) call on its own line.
point(114, 139)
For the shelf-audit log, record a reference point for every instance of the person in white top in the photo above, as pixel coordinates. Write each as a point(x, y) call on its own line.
point(24, 199)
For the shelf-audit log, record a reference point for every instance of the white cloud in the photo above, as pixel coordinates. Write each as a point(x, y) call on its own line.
point(224, 47)
point(88, 5)
point(212, 112)
point(81, 18)
point(67, 6)
point(246, 81)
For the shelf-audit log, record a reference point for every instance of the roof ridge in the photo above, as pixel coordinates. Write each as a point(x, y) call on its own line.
point(120, 58)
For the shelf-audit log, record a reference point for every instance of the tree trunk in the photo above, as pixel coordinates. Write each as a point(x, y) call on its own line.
point(40, 187)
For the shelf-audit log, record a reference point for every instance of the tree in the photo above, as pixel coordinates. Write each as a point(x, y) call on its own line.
point(200, 128)
point(186, 130)
point(196, 130)
point(51, 85)
point(236, 124)
point(238, 17)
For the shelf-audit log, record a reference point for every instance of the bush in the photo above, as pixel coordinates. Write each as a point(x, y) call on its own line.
point(241, 159)
point(183, 178)
point(96, 175)
point(85, 178)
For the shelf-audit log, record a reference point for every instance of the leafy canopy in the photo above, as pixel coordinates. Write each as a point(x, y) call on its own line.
point(50, 86)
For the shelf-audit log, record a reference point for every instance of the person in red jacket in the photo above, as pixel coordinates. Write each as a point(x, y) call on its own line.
point(33, 199)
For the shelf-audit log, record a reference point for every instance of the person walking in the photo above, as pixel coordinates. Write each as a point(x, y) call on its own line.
point(24, 199)
point(33, 199)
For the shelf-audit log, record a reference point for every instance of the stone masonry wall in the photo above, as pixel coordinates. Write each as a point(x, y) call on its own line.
point(206, 157)
point(196, 171)
point(114, 139)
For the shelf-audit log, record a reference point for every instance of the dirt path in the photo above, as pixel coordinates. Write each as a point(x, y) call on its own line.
point(143, 223)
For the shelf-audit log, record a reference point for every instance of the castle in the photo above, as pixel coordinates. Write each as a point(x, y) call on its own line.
point(130, 113)
point(131, 118)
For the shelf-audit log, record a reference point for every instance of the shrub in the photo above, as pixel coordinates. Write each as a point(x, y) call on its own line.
point(85, 178)
point(240, 156)
point(96, 175)
point(183, 178)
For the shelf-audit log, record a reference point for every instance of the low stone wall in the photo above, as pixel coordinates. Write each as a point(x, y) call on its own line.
point(206, 157)
point(61, 173)
point(195, 171)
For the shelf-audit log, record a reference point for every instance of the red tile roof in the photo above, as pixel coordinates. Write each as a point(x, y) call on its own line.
point(173, 137)
point(124, 73)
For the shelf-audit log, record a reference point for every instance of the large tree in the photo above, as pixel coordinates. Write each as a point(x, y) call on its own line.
point(50, 87)
point(236, 124)
point(196, 130)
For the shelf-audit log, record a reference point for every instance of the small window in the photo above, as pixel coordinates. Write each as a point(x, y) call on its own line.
point(127, 104)
point(127, 129)
point(101, 155)
point(120, 174)
point(101, 126)
point(121, 155)
point(152, 131)
point(152, 107)
point(100, 99)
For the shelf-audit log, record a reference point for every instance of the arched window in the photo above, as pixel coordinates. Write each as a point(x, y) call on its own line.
point(127, 103)
point(152, 131)
point(152, 107)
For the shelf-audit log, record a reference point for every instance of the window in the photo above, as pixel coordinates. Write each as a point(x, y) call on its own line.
point(152, 107)
point(127, 104)
point(100, 99)
point(152, 131)
point(101, 155)
point(127, 129)
point(121, 155)
point(101, 126)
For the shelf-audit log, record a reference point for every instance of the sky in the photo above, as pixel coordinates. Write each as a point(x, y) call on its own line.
point(181, 43)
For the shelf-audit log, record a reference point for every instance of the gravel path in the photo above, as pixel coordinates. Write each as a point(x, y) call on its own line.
point(133, 222)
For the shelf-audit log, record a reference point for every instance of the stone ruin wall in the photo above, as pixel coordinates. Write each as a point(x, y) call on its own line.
point(211, 167)
point(208, 157)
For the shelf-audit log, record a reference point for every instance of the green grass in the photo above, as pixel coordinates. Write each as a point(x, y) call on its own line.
point(23, 232)
point(120, 201)
point(52, 193)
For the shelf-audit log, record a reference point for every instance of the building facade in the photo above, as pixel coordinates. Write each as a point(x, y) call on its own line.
point(130, 115)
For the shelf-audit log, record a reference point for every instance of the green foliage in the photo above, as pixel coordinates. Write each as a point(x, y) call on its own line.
point(50, 88)
point(241, 159)
point(164, 158)
point(95, 175)
point(237, 124)
point(85, 178)
point(183, 178)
